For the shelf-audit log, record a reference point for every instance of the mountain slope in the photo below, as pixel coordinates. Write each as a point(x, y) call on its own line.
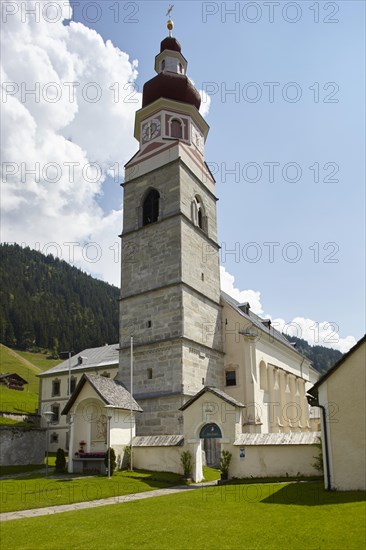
point(47, 303)
point(321, 357)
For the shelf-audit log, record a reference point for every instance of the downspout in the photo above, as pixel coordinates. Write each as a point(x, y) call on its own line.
point(313, 401)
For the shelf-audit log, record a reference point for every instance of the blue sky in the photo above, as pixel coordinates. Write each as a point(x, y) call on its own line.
point(312, 209)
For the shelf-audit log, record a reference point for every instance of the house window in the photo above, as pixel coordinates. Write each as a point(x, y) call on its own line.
point(56, 387)
point(73, 384)
point(54, 438)
point(176, 129)
point(55, 409)
point(230, 378)
point(150, 207)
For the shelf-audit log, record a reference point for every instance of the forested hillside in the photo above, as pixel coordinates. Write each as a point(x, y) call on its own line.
point(46, 303)
point(322, 358)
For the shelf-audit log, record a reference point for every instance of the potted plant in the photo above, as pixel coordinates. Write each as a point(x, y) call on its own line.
point(187, 463)
point(224, 465)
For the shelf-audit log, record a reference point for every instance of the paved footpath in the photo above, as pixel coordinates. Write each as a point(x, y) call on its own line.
point(22, 514)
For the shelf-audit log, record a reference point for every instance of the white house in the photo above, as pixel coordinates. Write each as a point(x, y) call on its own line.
point(58, 383)
point(341, 395)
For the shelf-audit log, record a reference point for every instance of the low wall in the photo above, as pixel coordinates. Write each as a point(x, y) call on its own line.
point(158, 459)
point(272, 460)
point(19, 446)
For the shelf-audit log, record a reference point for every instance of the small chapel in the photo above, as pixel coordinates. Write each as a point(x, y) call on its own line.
point(208, 373)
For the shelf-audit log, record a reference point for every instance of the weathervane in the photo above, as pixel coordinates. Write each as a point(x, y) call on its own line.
point(170, 23)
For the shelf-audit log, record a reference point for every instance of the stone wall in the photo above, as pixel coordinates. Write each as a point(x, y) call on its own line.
point(20, 446)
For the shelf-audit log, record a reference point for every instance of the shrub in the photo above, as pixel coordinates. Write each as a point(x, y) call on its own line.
point(225, 463)
point(112, 459)
point(318, 464)
point(187, 463)
point(60, 461)
point(128, 457)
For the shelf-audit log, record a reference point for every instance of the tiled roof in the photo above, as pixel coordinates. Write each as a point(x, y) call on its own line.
point(92, 357)
point(158, 441)
point(292, 438)
point(112, 392)
point(258, 322)
point(215, 391)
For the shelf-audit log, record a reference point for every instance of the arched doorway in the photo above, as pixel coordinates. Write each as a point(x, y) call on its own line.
point(211, 435)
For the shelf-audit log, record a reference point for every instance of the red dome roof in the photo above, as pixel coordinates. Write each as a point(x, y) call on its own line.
point(170, 43)
point(171, 86)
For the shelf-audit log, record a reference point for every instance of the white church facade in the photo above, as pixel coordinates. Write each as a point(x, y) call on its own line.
point(196, 351)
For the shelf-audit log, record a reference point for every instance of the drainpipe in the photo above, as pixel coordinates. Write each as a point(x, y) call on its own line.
point(313, 401)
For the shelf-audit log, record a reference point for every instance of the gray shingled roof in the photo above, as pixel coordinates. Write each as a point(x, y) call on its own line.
point(158, 441)
point(258, 322)
point(215, 391)
point(292, 438)
point(92, 358)
point(112, 392)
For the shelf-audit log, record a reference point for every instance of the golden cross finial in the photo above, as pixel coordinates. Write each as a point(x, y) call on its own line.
point(170, 23)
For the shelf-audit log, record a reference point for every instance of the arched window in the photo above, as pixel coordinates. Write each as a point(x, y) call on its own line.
point(176, 129)
point(198, 213)
point(150, 207)
point(180, 68)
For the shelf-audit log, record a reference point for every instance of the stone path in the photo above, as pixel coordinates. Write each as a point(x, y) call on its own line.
point(25, 474)
point(22, 514)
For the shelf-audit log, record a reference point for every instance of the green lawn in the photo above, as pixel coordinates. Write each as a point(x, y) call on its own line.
point(37, 491)
point(295, 516)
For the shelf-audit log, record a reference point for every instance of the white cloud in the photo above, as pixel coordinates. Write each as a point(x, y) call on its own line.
point(205, 103)
point(251, 296)
point(70, 134)
point(322, 333)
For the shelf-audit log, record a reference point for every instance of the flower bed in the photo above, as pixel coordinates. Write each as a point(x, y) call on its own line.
point(92, 455)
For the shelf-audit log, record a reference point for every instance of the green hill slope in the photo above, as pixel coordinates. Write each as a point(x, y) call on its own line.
point(27, 365)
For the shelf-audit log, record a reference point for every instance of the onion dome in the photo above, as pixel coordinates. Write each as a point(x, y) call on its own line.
point(171, 86)
point(170, 43)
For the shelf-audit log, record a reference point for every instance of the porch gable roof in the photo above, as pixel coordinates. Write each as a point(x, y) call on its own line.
point(112, 392)
point(211, 389)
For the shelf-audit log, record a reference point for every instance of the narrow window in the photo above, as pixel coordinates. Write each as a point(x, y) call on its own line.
point(149, 324)
point(150, 208)
point(180, 68)
point(176, 129)
point(200, 217)
point(72, 384)
point(202, 276)
point(198, 213)
point(163, 65)
point(55, 409)
point(149, 374)
point(56, 386)
point(230, 376)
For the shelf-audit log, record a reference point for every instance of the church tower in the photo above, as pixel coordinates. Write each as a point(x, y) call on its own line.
point(170, 286)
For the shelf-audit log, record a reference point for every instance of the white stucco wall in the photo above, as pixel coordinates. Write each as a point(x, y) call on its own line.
point(158, 459)
point(272, 460)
